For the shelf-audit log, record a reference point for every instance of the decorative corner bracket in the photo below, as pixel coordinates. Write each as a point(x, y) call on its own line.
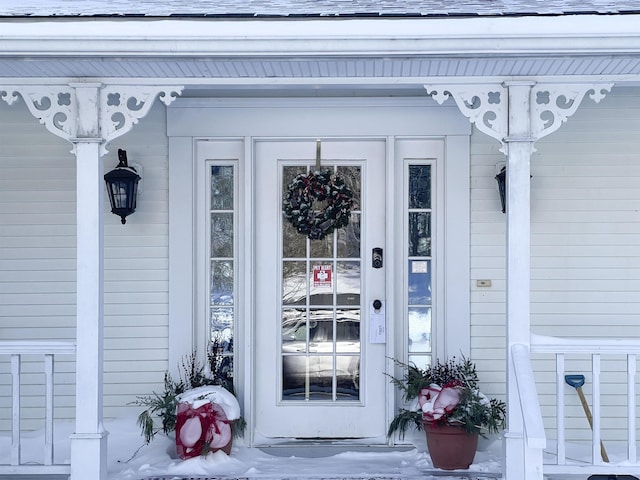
point(487, 105)
point(53, 105)
point(553, 104)
point(119, 107)
point(484, 105)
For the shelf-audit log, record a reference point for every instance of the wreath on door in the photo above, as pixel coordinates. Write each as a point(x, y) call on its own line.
point(317, 203)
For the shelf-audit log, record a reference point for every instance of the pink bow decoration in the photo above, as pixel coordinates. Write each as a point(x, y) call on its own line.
point(436, 402)
point(199, 429)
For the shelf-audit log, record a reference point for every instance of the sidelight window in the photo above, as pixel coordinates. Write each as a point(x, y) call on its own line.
point(222, 277)
point(418, 281)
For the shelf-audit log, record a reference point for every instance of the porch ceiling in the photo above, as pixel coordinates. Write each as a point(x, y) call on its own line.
point(304, 70)
point(381, 52)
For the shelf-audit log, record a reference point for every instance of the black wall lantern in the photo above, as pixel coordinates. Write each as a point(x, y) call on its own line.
point(122, 187)
point(501, 178)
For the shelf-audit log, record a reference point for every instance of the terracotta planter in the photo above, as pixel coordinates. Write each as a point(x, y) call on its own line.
point(450, 448)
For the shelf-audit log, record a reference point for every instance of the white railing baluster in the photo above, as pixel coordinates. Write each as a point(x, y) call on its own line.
point(595, 348)
point(48, 419)
point(595, 372)
point(15, 421)
point(15, 350)
point(631, 407)
point(561, 448)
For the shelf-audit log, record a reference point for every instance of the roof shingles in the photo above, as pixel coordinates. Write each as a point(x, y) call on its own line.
point(314, 8)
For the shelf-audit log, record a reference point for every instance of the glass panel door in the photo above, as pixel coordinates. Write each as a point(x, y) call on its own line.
point(317, 373)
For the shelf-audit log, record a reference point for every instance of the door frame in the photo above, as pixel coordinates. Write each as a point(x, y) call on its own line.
point(370, 154)
point(192, 120)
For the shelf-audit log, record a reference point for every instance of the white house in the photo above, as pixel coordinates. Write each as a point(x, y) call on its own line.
point(418, 104)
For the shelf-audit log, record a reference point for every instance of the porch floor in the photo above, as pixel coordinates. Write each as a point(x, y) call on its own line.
point(314, 462)
point(130, 459)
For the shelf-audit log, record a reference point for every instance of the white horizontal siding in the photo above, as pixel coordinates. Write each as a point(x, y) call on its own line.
point(585, 246)
point(37, 257)
point(136, 274)
point(38, 264)
point(487, 263)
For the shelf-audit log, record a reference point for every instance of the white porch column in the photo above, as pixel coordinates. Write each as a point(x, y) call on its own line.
point(89, 441)
point(89, 115)
point(517, 114)
point(519, 142)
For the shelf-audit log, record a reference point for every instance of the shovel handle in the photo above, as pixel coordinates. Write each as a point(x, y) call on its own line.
point(587, 411)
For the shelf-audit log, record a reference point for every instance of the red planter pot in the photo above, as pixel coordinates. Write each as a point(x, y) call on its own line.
point(450, 448)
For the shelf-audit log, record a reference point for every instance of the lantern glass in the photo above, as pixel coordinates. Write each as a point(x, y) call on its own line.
point(501, 178)
point(122, 187)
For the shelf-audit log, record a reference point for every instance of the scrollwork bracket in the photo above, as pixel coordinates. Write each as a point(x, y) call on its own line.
point(486, 106)
point(553, 104)
point(550, 105)
point(119, 107)
point(53, 105)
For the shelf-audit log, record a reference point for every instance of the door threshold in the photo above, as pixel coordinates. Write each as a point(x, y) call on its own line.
point(316, 449)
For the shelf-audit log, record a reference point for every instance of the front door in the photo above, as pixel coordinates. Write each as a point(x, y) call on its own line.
point(319, 341)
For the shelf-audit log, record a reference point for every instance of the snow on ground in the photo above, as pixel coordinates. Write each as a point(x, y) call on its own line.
point(159, 459)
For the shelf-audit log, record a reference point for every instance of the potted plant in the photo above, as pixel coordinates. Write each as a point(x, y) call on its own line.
point(445, 401)
point(200, 407)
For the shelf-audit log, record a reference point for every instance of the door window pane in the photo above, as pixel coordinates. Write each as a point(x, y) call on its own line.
point(348, 377)
point(348, 283)
point(321, 282)
point(349, 238)
point(321, 278)
point(321, 331)
point(419, 186)
point(294, 377)
point(222, 187)
point(420, 329)
point(419, 234)
point(222, 234)
point(320, 380)
point(294, 330)
point(222, 282)
point(348, 331)
point(294, 283)
point(353, 179)
point(221, 319)
point(321, 248)
point(419, 292)
point(294, 245)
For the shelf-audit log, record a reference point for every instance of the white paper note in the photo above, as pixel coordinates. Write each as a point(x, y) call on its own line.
point(377, 324)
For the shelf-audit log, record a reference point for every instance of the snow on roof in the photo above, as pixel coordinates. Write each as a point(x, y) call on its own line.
point(313, 8)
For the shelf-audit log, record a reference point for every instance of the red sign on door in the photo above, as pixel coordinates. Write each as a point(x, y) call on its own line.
point(322, 275)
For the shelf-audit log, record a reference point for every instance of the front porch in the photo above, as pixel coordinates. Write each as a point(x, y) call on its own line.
point(123, 325)
point(159, 461)
point(548, 449)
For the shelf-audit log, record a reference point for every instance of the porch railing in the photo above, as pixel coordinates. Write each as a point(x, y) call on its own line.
point(594, 349)
point(532, 417)
point(16, 350)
